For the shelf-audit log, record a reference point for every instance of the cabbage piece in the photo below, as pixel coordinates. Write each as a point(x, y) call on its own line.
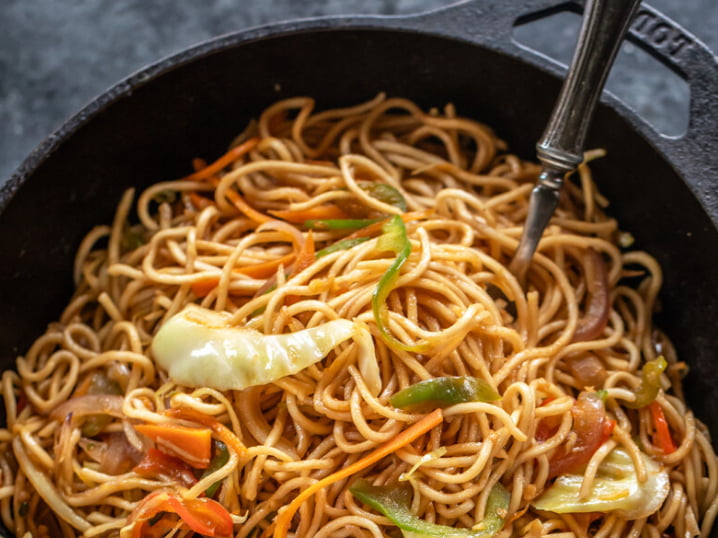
point(366, 358)
point(615, 489)
point(199, 348)
point(426, 458)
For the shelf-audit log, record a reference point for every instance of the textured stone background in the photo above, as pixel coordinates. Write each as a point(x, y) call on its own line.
point(56, 55)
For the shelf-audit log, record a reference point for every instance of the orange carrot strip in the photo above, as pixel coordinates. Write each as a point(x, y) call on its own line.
point(223, 433)
point(225, 160)
point(248, 210)
point(663, 434)
point(321, 212)
point(374, 229)
point(83, 387)
point(414, 431)
point(192, 445)
point(207, 173)
point(306, 257)
point(200, 202)
point(201, 288)
point(198, 164)
point(266, 269)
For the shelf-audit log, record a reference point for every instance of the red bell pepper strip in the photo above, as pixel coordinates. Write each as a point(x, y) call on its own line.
point(663, 434)
point(157, 464)
point(201, 515)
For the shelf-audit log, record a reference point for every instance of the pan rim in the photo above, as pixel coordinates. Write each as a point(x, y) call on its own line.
point(672, 150)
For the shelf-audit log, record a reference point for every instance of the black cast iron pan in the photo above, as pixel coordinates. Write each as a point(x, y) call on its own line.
point(149, 127)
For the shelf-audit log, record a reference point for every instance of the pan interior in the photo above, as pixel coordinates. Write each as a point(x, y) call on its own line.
point(195, 109)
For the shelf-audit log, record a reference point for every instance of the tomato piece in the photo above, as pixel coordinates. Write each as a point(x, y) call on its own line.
point(547, 426)
point(157, 464)
point(592, 427)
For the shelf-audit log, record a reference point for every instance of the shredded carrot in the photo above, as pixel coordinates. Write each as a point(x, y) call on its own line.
point(192, 445)
point(414, 431)
point(306, 257)
point(248, 210)
point(266, 269)
point(198, 164)
point(374, 229)
point(200, 202)
point(223, 433)
point(225, 160)
point(663, 434)
point(208, 172)
point(83, 387)
point(201, 288)
point(321, 212)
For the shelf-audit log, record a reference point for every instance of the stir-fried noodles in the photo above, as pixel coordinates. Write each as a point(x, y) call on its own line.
point(317, 335)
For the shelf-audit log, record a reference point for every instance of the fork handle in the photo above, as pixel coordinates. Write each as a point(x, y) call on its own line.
point(605, 23)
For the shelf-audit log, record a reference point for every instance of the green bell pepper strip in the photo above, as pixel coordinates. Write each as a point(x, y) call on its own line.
point(650, 383)
point(394, 502)
point(444, 391)
point(131, 238)
point(384, 193)
point(217, 462)
point(344, 244)
point(395, 239)
point(339, 224)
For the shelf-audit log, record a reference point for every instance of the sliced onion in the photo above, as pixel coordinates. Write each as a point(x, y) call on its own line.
point(366, 358)
point(115, 454)
point(599, 298)
point(588, 371)
point(89, 404)
point(46, 489)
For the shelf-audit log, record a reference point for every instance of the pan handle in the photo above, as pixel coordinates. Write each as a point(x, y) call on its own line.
point(491, 23)
point(662, 38)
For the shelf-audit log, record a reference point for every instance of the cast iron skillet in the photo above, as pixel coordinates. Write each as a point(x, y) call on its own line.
point(148, 128)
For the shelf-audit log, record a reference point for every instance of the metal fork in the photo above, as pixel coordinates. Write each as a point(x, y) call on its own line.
point(560, 149)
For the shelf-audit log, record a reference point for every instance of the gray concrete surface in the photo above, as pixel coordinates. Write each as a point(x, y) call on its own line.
point(56, 55)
